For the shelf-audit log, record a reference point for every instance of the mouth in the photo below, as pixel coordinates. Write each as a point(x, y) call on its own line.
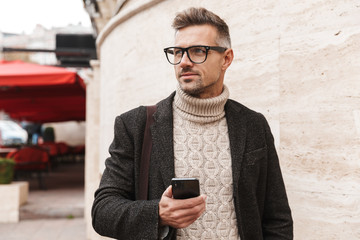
point(188, 74)
point(188, 77)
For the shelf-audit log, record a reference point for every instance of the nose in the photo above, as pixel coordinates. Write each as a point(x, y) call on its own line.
point(185, 61)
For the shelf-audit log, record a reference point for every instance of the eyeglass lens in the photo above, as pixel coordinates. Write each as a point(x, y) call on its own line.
point(196, 54)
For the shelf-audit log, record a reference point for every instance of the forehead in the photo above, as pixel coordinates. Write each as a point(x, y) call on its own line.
point(196, 35)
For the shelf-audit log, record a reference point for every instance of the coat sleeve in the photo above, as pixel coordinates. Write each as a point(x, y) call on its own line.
point(277, 220)
point(115, 211)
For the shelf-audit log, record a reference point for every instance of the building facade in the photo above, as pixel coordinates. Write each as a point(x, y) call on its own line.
point(296, 62)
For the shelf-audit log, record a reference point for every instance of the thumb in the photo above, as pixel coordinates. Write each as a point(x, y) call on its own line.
point(168, 192)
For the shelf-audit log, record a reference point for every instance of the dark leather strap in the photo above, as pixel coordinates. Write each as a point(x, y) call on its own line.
point(145, 154)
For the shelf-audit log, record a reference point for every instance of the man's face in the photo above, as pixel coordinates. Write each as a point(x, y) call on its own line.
point(203, 80)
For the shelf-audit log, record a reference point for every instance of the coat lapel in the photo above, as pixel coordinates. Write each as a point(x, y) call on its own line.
point(163, 145)
point(237, 136)
point(162, 136)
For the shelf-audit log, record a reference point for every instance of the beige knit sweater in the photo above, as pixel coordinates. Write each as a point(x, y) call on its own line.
point(202, 150)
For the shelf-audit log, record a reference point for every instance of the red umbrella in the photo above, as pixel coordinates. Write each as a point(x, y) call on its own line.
point(40, 93)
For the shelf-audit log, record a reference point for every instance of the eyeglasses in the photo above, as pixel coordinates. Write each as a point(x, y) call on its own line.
point(197, 54)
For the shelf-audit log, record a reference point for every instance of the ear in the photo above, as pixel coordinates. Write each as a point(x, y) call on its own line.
point(228, 58)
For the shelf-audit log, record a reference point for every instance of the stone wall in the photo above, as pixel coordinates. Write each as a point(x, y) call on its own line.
point(319, 69)
point(296, 62)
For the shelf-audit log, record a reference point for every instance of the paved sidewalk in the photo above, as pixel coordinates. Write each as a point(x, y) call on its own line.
point(44, 229)
point(52, 214)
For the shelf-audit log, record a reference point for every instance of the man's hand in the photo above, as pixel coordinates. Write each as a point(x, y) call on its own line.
point(180, 213)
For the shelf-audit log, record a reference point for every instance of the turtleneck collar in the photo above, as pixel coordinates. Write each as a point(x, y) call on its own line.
point(201, 110)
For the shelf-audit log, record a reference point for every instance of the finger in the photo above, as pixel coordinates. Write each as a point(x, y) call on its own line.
point(191, 202)
point(172, 214)
point(168, 192)
point(194, 212)
point(204, 197)
point(185, 218)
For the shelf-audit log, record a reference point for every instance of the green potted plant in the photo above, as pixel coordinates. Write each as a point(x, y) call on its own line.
point(6, 170)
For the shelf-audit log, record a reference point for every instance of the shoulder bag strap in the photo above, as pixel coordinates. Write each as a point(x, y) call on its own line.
point(145, 154)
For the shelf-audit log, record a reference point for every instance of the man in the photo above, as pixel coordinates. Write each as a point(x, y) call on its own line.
point(197, 132)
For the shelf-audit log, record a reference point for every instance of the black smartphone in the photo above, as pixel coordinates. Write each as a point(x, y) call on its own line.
point(183, 188)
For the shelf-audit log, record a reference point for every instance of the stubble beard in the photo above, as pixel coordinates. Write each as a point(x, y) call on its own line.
point(193, 87)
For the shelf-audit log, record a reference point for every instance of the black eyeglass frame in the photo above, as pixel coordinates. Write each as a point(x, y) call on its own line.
point(183, 50)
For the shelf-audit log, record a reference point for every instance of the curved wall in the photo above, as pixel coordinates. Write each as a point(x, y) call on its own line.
point(298, 64)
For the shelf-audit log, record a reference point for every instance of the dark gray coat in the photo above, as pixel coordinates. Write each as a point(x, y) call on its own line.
point(261, 204)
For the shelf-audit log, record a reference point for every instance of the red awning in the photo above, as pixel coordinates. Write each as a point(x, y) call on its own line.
point(40, 93)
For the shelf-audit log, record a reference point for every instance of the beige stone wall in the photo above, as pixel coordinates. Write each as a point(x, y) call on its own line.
point(319, 68)
point(297, 62)
point(92, 172)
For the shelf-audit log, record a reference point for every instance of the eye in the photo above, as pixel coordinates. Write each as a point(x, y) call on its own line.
point(198, 50)
point(170, 51)
point(177, 51)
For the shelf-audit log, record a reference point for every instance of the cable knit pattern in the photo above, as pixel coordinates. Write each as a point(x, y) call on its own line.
point(202, 150)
